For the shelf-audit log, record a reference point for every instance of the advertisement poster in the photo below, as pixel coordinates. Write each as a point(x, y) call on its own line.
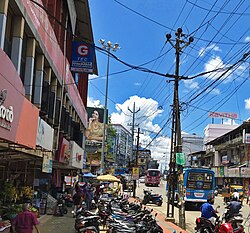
point(94, 132)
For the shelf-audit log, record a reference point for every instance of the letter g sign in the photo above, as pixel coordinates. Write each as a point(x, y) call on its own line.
point(83, 50)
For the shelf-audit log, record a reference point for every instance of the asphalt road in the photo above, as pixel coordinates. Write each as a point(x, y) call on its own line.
point(190, 215)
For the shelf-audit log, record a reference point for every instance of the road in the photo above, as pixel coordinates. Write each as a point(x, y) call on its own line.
point(191, 215)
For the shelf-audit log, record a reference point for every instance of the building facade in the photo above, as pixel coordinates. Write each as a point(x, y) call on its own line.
point(230, 156)
point(42, 105)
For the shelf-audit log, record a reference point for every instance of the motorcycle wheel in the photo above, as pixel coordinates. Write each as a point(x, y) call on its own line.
point(144, 202)
point(159, 203)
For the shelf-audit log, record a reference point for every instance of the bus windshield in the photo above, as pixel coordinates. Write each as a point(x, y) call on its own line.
point(197, 180)
point(153, 173)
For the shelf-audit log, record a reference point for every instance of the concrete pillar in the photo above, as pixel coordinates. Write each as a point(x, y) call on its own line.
point(17, 42)
point(37, 98)
point(29, 67)
point(3, 20)
point(53, 83)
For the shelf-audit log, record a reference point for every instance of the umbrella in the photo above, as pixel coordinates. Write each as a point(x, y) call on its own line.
point(89, 175)
point(108, 178)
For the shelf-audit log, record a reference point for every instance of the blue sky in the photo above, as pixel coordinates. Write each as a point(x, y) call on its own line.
point(221, 37)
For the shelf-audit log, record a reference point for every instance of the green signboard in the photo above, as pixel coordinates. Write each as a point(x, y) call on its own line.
point(180, 158)
point(221, 171)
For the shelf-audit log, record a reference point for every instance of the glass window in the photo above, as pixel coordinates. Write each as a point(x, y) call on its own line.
point(153, 173)
point(8, 33)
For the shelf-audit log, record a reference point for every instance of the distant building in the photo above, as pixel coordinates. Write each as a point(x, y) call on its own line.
point(191, 143)
point(122, 145)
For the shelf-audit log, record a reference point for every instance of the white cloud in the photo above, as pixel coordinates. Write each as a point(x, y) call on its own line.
point(247, 39)
point(93, 76)
point(93, 103)
point(137, 84)
point(145, 118)
point(212, 47)
point(191, 84)
point(215, 91)
point(247, 104)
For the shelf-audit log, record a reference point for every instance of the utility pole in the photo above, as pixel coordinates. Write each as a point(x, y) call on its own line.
point(176, 171)
point(114, 48)
point(133, 128)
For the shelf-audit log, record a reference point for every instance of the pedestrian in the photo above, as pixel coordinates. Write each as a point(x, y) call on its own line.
point(88, 195)
point(248, 195)
point(77, 198)
point(25, 221)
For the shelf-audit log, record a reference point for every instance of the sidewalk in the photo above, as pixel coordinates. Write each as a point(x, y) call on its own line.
point(168, 227)
point(65, 224)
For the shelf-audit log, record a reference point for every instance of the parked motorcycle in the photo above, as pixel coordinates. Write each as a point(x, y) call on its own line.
point(61, 207)
point(204, 225)
point(151, 198)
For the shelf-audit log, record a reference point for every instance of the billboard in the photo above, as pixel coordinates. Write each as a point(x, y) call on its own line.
point(94, 132)
point(230, 115)
point(82, 57)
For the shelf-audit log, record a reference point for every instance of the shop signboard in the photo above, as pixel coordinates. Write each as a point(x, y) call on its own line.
point(222, 173)
point(18, 116)
point(245, 172)
point(135, 173)
point(47, 164)
point(224, 160)
point(223, 115)
point(82, 57)
point(76, 155)
point(234, 172)
point(63, 153)
point(180, 159)
point(247, 138)
point(45, 134)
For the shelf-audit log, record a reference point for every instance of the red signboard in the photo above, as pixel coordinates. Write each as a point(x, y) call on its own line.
point(42, 25)
point(223, 115)
point(18, 117)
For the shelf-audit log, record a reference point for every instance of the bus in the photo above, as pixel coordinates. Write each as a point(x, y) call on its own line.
point(199, 185)
point(153, 177)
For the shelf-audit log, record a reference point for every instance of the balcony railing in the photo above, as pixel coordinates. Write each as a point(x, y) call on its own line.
point(232, 142)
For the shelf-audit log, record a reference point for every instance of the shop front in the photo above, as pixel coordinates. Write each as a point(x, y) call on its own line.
point(18, 131)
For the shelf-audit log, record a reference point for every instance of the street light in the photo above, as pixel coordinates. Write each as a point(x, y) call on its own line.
point(114, 48)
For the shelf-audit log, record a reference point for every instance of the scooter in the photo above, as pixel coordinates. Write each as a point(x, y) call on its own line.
point(151, 198)
point(61, 207)
point(204, 225)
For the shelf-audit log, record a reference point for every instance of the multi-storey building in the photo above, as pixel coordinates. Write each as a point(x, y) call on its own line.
point(230, 156)
point(122, 145)
point(42, 103)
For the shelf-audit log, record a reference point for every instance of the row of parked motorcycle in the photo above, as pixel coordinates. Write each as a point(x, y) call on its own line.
point(116, 214)
point(230, 223)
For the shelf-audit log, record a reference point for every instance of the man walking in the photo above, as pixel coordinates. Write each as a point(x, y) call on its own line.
point(24, 222)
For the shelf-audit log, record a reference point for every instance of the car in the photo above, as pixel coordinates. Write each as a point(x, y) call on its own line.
point(142, 179)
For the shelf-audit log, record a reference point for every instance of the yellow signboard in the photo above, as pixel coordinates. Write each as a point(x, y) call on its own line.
point(135, 173)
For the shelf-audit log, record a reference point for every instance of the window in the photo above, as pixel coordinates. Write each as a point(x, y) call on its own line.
point(8, 33)
point(202, 181)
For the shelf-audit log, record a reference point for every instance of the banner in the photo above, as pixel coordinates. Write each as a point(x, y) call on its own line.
point(82, 57)
point(47, 164)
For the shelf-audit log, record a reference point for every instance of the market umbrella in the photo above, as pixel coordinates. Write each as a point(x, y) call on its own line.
point(89, 175)
point(108, 178)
